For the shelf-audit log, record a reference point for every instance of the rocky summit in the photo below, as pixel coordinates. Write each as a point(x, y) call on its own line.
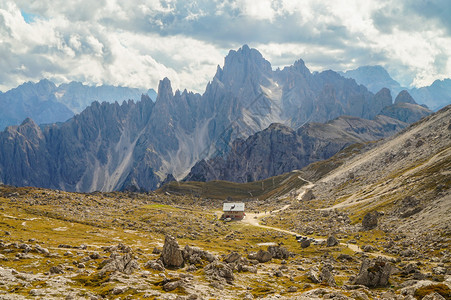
point(137, 145)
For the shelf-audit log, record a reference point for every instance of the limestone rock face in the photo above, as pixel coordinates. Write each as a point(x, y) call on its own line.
point(373, 273)
point(171, 254)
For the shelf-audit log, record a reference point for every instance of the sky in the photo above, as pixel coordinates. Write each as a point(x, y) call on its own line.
point(137, 43)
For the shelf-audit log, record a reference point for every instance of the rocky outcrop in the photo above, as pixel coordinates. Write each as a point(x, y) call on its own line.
point(219, 272)
point(120, 263)
point(171, 255)
point(374, 273)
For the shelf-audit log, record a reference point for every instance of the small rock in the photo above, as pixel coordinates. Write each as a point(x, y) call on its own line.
point(170, 286)
point(433, 296)
point(292, 289)
point(119, 290)
point(56, 270)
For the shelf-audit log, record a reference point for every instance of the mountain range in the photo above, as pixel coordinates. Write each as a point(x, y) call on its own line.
point(138, 145)
point(435, 96)
point(47, 103)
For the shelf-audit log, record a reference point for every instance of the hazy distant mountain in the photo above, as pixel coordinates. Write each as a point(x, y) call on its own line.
point(77, 96)
point(434, 96)
point(136, 145)
point(35, 100)
point(45, 102)
point(374, 78)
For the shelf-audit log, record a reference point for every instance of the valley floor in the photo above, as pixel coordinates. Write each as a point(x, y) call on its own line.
point(58, 245)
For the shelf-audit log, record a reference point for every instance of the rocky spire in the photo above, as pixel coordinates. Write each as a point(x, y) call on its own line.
point(404, 97)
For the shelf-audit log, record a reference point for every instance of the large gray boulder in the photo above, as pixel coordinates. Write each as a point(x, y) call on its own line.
point(117, 263)
point(332, 241)
point(370, 220)
point(373, 273)
point(279, 252)
point(171, 256)
point(263, 256)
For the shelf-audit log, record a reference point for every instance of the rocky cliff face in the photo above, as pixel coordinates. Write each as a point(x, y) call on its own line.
point(280, 149)
point(136, 145)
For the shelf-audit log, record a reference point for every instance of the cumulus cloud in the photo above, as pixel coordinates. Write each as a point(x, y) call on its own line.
point(137, 44)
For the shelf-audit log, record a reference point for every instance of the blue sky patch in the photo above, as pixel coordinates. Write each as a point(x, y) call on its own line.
point(29, 18)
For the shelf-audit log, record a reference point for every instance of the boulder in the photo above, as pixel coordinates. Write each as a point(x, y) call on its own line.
point(116, 263)
point(326, 275)
point(433, 296)
point(219, 271)
point(56, 270)
point(170, 286)
point(305, 243)
point(232, 257)
point(373, 273)
point(154, 265)
point(263, 256)
point(171, 255)
point(370, 220)
point(279, 252)
point(332, 241)
point(313, 276)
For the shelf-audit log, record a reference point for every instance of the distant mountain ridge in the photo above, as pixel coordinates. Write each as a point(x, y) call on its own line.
point(435, 96)
point(280, 149)
point(138, 145)
point(47, 103)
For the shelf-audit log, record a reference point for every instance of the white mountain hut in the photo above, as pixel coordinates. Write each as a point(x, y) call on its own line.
point(234, 211)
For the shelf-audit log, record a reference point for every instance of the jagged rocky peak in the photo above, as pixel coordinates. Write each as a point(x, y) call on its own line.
point(383, 98)
point(164, 90)
point(241, 64)
point(404, 97)
point(45, 86)
point(29, 129)
point(300, 66)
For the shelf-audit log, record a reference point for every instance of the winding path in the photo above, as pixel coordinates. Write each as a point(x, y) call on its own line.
point(253, 219)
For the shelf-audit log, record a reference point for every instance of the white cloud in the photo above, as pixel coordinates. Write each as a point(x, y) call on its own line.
point(137, 44)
